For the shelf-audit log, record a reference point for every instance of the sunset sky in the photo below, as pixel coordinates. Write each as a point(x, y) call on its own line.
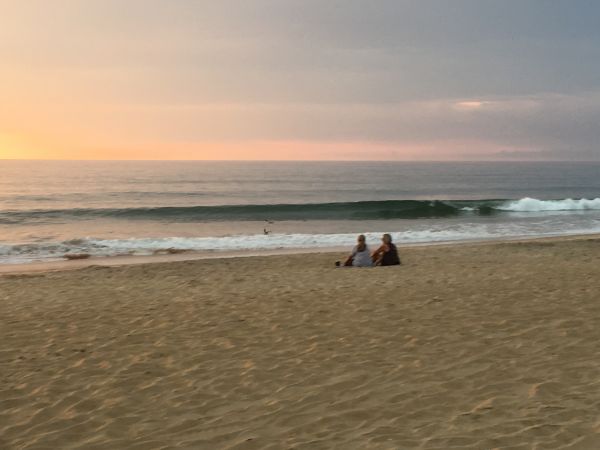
point(300, 79)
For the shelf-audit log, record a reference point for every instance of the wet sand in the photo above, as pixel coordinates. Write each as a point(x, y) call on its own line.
point(471, 346)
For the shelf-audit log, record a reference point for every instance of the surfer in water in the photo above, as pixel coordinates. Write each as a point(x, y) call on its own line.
point(265, 230)
point(387, 253)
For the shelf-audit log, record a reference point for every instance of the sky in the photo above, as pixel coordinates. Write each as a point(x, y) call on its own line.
point(300, 79)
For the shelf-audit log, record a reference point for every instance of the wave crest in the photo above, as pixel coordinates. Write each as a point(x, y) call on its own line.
point(534, 205)
point(363, 210)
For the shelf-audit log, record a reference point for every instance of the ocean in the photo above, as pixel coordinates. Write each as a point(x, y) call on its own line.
point(49, 209)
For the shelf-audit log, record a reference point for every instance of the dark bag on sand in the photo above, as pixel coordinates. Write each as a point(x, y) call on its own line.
point(391, 258)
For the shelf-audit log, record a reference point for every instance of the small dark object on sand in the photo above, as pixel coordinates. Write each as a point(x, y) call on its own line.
point(176, 251)
point(169, 251)
point(73, 256)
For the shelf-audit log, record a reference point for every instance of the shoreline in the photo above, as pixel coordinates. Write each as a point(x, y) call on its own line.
point(127, 260)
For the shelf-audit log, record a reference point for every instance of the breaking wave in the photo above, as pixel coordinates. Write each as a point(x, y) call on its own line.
point(363, 210)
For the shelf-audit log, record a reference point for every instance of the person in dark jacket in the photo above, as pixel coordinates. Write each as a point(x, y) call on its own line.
point(387, 253)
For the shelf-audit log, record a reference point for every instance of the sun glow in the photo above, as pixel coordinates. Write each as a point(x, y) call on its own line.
point(470, 105)
point(20, 146)
point(10, 147)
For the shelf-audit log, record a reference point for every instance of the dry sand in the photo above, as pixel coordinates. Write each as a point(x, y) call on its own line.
point(487, 346)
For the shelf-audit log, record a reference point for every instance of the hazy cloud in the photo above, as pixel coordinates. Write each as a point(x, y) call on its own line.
point(520, 78)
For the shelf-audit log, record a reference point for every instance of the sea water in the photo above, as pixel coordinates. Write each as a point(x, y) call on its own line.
point(52, 208)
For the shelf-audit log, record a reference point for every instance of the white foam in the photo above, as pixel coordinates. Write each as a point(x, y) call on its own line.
point(420, 233)
point(534, 205)
point(149, 246)
point(277, 241)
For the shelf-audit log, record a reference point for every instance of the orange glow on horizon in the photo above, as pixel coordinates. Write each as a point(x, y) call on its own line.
point(14, 147)
point(19, 146)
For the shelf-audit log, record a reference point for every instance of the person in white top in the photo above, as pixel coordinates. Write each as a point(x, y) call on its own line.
point(360, 257)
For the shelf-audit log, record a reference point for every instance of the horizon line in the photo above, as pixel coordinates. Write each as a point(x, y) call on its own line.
point(313, 160)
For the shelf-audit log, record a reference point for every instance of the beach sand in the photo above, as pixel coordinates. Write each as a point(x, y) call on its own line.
point(472, 346)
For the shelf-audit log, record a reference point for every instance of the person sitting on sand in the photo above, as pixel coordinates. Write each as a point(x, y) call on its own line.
point(360, 256)
point(387, 254)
